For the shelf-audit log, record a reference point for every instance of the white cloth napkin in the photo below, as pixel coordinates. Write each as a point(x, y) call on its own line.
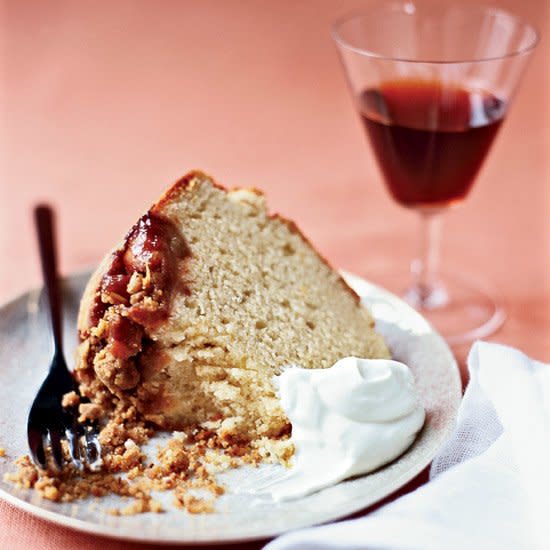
point(490, 484)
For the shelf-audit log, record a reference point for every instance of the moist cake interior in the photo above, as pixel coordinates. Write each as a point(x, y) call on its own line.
point(207, 298)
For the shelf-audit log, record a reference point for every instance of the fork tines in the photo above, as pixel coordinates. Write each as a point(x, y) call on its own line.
point(56, 438)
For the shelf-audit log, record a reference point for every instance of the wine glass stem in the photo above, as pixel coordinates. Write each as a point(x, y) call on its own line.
point(427, 291)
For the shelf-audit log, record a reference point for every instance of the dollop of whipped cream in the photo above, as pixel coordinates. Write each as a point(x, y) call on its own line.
point(347, 420)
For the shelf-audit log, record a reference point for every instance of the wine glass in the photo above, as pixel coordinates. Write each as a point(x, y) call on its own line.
point(432, 82)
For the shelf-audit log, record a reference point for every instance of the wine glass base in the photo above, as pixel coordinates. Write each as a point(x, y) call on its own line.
point(460, 309)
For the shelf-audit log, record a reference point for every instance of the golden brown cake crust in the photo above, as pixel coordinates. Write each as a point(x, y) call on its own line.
point(181, 186)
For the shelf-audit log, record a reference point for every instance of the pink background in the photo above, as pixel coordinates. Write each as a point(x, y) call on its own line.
point(104, 104)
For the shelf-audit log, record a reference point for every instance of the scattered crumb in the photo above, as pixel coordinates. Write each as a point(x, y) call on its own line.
point(26, 475)
point(71, 399)
point(89, 411)
point(186, 464)
point(139, 506)
point(192, 504)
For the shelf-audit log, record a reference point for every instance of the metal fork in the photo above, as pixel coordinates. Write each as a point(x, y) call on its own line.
point(49, 423)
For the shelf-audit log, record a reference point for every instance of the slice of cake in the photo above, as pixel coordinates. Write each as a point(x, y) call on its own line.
point(205, 300)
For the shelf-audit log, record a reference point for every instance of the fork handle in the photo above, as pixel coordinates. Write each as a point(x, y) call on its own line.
point(45, 232)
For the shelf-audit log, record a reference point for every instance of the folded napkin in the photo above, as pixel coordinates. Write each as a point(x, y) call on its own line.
point(489, 485)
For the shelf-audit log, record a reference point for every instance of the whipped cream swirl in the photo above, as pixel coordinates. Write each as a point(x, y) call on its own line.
point(347, 420)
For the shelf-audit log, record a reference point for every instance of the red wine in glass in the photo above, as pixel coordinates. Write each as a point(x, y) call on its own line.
point(430, 138)
point(433, 82)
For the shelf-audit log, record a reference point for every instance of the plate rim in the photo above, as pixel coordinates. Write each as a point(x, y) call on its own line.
point(108, 531)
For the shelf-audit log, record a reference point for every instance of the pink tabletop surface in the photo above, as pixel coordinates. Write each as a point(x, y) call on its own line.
point(104, 104)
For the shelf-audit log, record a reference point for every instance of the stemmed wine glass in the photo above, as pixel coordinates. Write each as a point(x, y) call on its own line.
point(433, 82)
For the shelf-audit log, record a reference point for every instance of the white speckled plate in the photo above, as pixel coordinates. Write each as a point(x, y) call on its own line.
point(24, 358)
